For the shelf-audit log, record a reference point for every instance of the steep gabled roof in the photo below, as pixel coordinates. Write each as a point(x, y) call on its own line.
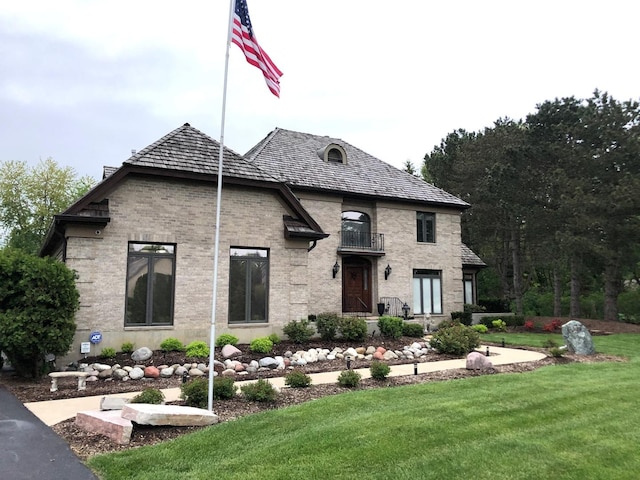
point(187, 149)
point(185, 153)
point(293, 158)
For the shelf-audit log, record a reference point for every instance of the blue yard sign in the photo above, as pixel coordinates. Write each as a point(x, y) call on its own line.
point(95, 337)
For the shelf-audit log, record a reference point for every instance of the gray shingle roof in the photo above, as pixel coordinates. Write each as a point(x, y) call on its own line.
point(292, 157)
point(470, 258)
point(188, 149)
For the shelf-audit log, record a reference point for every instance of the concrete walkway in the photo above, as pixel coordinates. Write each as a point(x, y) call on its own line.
point(56, 411)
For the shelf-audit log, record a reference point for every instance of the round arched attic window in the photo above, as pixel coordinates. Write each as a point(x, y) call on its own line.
point(333, 153)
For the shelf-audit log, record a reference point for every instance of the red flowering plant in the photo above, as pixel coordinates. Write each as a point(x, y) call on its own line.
point(552, 326)
point(529, 325)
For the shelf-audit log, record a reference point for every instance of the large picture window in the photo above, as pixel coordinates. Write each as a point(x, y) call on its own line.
point(248, 285)
point(426, 227)
point(427, 291)
point(150, 284)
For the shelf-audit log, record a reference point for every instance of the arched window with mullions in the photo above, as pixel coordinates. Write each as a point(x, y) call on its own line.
point(356, 229)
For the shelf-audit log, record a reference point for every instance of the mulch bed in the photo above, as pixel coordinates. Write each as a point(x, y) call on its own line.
point(86, 444)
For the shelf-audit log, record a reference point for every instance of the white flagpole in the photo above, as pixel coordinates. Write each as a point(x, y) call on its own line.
point(212, 339)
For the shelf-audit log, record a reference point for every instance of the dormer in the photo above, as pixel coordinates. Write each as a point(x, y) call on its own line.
point(333, 153)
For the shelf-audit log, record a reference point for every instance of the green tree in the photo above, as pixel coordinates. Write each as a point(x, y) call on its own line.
point(38, 301)
point(30, 197)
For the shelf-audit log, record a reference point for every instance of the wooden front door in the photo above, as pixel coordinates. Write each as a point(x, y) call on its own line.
point(356, 287)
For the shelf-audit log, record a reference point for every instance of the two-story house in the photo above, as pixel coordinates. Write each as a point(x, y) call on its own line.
point(308, 224)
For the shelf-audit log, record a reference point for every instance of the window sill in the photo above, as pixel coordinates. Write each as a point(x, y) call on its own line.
point(248, 325)
point(147, 327)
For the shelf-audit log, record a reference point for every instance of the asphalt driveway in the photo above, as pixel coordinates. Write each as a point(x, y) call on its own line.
point(31, 450)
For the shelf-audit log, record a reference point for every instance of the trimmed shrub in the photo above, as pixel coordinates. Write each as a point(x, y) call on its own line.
point(224, 388)
point(38, 301)
point(412, 330)
point(379, 370)
point(196, 393)
point(349, 378)
point(480, 328)
point(149, 395)
point(126, 347)
point(327, 325)
point(227, 339)
point(456, 340)
point(352, 328)
point(297, 379)
point(390, 327)
point(260, 391)
point(261, 345)
point(108, 352)
point(171, 345)
point(298, 331)
point(197, 349)
point(275, 339)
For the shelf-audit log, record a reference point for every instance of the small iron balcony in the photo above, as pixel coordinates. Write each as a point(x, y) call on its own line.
point(352, 241)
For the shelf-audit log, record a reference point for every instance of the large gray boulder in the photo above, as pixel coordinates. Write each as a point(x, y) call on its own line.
point(141, 354)
point(577, 338)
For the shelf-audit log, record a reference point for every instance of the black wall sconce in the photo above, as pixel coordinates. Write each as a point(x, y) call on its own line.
point(387, 271)
point(405, 310)
point(336, 269)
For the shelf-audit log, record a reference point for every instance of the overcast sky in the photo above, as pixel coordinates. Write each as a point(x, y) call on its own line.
point(85, 82)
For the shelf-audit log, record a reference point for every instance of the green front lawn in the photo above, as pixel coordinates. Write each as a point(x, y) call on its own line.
point(573, 421)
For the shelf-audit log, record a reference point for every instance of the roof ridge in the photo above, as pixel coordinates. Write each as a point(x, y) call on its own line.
point(257, 148)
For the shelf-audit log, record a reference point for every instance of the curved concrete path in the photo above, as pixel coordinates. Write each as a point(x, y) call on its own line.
point(56, 411)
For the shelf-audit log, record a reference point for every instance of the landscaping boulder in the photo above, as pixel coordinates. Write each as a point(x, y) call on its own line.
point(141, 354)
point(577, 338)
point(478, 361)
point(230, 351)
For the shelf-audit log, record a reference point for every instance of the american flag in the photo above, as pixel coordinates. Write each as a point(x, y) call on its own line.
point(243, 36)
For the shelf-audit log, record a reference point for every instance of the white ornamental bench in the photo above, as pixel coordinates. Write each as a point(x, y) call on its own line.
point(82, 379)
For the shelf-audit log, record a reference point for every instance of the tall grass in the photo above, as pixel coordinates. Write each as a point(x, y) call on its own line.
point(573, 421)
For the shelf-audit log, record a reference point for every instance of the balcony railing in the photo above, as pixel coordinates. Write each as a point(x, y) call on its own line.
point(361, 241)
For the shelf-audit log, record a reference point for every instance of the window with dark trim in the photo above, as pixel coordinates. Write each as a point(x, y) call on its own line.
point(150, 284)
point(248, 285)
point(427, 291)
point(426, 227)
point(468, 288)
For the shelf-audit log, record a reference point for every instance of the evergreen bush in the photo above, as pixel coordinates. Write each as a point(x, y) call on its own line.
point(414, 330)
point(379, 370)
point(297, 379)
point(391, 327)
point(349, 378)
point(298, 331)
point(352, 329)
point(38, 302)
point(259, 391)
point(455, 340)
point(149, 395)
point(327, 325)
point(127, 347)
